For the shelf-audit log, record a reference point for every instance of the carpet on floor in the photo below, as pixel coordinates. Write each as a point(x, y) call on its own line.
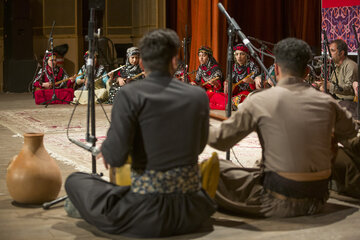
point(53, 122)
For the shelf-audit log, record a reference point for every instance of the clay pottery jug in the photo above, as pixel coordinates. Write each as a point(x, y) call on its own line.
point(33, 177)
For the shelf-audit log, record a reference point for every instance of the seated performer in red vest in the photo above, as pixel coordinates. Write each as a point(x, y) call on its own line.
point(243, 74)
point(44, 80)
point(210, 78)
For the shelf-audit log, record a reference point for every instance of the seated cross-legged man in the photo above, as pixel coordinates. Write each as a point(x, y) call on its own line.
point(295, 124)
point(163, 124)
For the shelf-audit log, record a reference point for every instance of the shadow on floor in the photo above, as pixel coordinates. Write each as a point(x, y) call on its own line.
point(84, 230)
point(331, 213)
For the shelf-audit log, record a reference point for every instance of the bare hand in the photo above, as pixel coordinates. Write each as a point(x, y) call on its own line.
point(270, 82)
point(111, 75)
point(121, 81)
point(249, 80)
point(80, 81)
point(258, 82)
point(46, 85)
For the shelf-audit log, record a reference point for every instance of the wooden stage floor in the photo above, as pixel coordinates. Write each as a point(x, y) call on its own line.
point(340, 219)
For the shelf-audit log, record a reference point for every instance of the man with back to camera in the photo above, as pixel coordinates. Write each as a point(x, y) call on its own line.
point(295, 124)
point(162, 123)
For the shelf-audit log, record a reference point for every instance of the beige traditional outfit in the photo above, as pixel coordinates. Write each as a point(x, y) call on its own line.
point(295, 124)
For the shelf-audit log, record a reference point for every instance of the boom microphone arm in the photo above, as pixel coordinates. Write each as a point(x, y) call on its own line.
point(245, 40)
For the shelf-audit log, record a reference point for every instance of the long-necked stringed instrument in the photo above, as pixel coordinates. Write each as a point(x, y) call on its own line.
point(210, 81)
point(106, 74)
point(242, 80)
point(66, 79)
point(135, 77)
point(116, 84)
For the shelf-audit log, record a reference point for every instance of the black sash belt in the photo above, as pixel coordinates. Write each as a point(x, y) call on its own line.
point(294, 189)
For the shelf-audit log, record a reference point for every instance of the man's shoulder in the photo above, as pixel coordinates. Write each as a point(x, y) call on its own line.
point(349, 62)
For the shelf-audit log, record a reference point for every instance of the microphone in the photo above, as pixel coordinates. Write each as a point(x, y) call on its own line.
point(94, 150)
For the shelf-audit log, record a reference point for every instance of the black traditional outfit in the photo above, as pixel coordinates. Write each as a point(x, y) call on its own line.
point(165, 197)
point(205, 74)
point(128, 71)
point(239, 72)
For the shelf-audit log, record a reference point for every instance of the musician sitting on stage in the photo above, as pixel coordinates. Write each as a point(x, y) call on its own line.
point(295, 124)
point(208, 75)
point(243, 74)
point(131, 71)
point(346, 71)
point(148, 122)
point(179, 73)
point(100, 79)
point(210, 78)
point(261, 82)
point(44, 80)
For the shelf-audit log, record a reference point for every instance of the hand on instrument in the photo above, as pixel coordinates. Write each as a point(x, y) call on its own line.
point(72, 79)
point(215, 84)
point(258, 82)
point(193, 83)
point(80, 81)
point(121, 81)
point(249, 80)
point(111, 75)
point(46, 85)
point(270, 82)
point(328, 85)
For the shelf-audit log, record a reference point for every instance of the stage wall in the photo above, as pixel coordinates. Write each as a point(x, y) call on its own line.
point(338, 18)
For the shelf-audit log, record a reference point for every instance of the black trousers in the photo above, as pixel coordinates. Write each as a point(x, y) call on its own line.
point(118, 210)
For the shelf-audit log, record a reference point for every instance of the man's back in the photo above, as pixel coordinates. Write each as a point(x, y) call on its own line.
point(294, 123)
point(169, 120)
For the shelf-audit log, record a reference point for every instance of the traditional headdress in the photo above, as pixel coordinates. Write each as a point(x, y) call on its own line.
point(205, 49)
point(132, 51)
point(86, 55)
point(241, 47)
point(48, 54)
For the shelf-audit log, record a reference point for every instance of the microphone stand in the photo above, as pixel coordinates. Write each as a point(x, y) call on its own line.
point(244, 39)
point(325, 64)
point(262, 54)
point(229, 76)
point(90, 137)
point(53, 63)
point(186, 41)
point(358, 63)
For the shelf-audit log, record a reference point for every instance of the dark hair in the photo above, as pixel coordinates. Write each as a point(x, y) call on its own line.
point(292, 55)
point(341, 46)
point(157, 48)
